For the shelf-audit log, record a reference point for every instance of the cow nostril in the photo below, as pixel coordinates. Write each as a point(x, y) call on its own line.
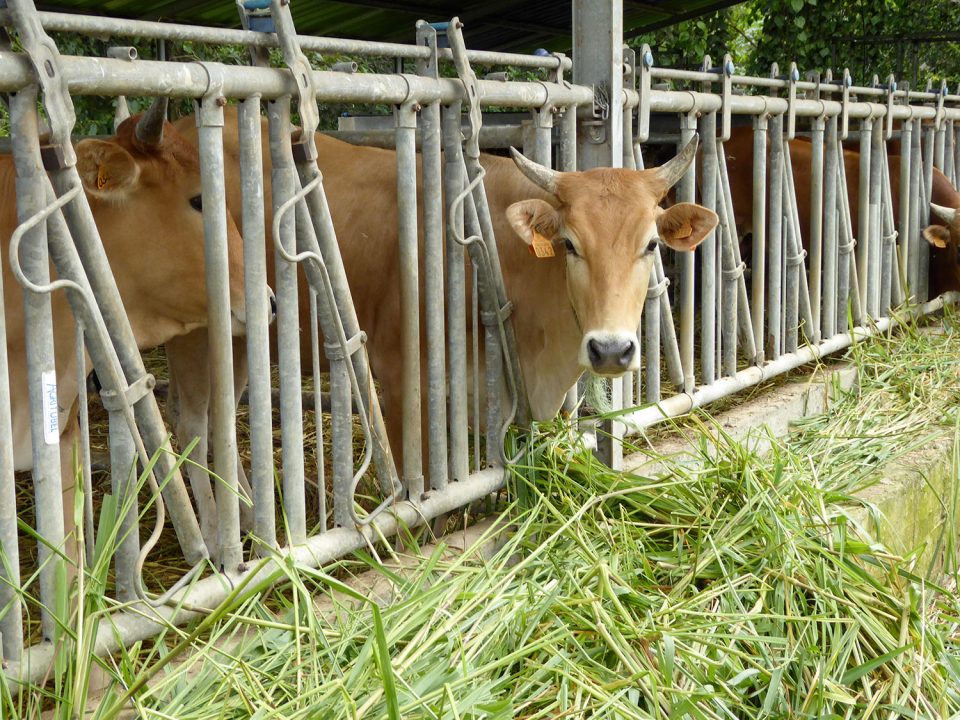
point(594, 352)
point(627, 354)
point(273, 305)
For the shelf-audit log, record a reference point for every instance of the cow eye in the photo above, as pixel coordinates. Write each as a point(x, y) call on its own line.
point(651, 245)
point(196, 202)
point(571, 250)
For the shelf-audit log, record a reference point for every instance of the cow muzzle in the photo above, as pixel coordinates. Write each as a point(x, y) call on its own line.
point(238, 316)
point(610, 353)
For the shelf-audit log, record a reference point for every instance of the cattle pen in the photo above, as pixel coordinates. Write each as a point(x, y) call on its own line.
point(716, 321)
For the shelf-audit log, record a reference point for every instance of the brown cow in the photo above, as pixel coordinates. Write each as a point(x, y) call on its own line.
point(577, 310)
point(944, 239)
point(143, 187)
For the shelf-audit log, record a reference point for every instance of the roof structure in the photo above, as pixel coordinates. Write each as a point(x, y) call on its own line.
point(506, 25)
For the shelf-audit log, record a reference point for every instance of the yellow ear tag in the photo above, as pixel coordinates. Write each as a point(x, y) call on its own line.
point(101, 178)
point(541, 247)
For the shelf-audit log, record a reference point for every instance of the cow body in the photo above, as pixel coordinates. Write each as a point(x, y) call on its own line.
point(144, 193)
point(577, 309)
point(944, 239)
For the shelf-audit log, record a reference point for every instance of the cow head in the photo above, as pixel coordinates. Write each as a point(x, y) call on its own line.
point(144, 190)
point(609, 223)
point(945, 241)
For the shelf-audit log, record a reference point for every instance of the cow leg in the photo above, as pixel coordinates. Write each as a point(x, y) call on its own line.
point(188, 404)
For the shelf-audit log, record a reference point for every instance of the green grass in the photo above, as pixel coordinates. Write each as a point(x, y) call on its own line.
point(733, 585)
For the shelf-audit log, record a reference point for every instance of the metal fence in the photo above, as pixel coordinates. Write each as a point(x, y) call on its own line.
point(462, 384)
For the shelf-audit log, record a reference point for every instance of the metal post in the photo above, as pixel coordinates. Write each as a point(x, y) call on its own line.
point(907, 199)
point(222, 416)
point(834, 155)
point(686, 192)
point(709, 292)
point(774, 238)
point(815, 240)
point(759, 224)
point(41, 363)
point(258, 339)
point(865, 238)
point(123, 474)
point(926, 185)
point(914, 241)
point(283, 181)
point(406, 119)
point(875, 249)
point(567, 162)
point(453, 180)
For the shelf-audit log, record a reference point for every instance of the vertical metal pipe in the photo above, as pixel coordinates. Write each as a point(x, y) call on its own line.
point(708, 251)
point(792, 257)
point(409, 298)
point(11, 626)
point(948, 157)
point(123, 474)
point(816, 226)
point(686, 193)
point(432, 140)
point(875, 249)
point(830, 230)
point(283, 181)
point(844, 251)
point(888, 235)
point(955, 179)
point(315, 340)
point(759, 224)
point(222, 403)
point(631, 380)
point(865, 239)
point(567, 162)
point(456, 297)
point(924, 210)
point(774, 238)
point(907, 199)
point(914, 242)
point(728, 325)
point(41, 363)
point(258, 340)
point(939, 146)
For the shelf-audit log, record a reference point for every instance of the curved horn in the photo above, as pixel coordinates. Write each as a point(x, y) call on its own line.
point(671, 172)
point(150, 125)
point(948, 215)
point(536, 173)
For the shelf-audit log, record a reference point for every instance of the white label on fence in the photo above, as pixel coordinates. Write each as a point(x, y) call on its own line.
point(51, 409)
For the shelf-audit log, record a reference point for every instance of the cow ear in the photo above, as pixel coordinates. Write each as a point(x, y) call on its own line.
point(534, 216)
point(106, 169)
point(937, 235)
point(684, 225)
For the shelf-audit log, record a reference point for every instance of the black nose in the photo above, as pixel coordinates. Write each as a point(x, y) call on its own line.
point(610, 355)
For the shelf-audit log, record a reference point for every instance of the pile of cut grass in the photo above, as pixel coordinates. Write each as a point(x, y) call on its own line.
point(736, 589)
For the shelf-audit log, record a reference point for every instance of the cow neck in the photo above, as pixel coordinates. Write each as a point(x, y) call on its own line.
point(544, 322)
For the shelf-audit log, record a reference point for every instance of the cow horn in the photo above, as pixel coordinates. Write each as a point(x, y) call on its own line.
point(948, 215)
point(150, 124)
point(536, 173)
point(671, 171)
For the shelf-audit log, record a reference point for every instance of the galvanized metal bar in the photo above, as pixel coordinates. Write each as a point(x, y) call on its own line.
point(834, 155)
point(434, 296)
point(792, 257)
point(83, 421)
point(728, 304)
point(906, 201)
point(406, 119)
point(453, 180)
point(258, 315)
point(914, 241)
point(759, 225)
point(222, 402)
point(709, 290)
point(875, 249)
point(567, 162)
point(686, 192)
point(774, 239)
point(319, 450)
point(888, 236)
point(124, 484)
point(11, 625)
point(283, 181)
point(864, 232)
point(845, 268)
point(42, 377)
point(926, 188)
point(815, 241)
point(949, 152)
